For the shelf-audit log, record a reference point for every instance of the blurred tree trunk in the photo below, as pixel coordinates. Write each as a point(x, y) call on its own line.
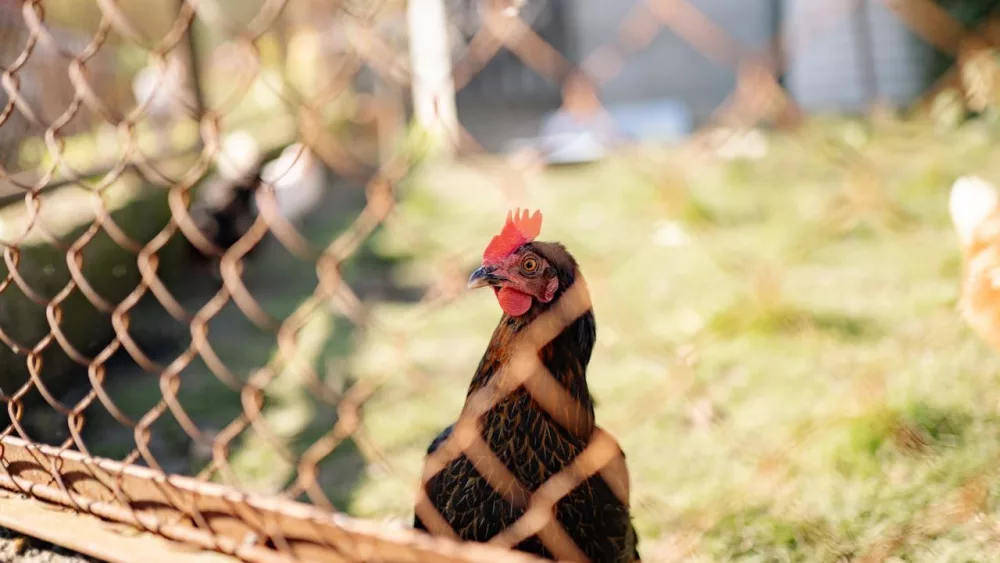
point(433, 87)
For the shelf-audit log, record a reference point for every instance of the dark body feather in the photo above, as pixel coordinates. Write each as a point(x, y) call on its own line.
point(225, 211)
point(534, 447)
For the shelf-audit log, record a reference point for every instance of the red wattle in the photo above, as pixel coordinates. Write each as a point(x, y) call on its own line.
point(513, 302)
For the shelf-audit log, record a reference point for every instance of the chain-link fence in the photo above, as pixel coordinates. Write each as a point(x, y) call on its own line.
point(238, 236)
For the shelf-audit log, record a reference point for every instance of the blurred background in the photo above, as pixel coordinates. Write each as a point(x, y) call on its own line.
point(757, 192)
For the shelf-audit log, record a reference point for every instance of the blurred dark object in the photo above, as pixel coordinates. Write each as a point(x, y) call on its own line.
point(970, 12)
point(227, 204)
point(224, 209)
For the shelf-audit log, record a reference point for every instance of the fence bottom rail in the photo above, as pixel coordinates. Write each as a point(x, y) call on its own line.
point(195, 514)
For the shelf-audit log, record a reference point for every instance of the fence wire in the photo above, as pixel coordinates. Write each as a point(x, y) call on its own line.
point(234, 308)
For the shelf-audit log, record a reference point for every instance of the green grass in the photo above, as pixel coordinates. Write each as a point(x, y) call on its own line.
point(805, 301)
point(778, 348)
point(295, 408)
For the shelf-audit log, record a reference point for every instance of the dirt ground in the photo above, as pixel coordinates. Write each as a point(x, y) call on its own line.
point(15, 547)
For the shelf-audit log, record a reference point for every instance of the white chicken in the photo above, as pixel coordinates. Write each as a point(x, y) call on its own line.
point(238, 155)
point(297, 178)
point(164, 89)
point(163, 92)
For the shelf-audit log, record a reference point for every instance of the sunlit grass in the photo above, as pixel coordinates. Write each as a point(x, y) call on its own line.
point(778, 350)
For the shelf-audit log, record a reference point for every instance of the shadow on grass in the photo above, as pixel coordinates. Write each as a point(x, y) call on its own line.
point(757, 533)
point(914, 428)
point(749, 317)
point(297, 409)
point(41, 265)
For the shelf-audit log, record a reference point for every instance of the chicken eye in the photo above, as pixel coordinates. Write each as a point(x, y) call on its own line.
point(529, 265)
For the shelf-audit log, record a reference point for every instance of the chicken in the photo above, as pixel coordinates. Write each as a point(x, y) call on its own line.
point(528, 278)
point(297, 179)
point(974, 206)
point(164, 93)
point(227, 204)
point(163, 89)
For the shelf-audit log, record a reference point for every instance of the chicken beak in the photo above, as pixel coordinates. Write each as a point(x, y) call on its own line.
point(484, 277)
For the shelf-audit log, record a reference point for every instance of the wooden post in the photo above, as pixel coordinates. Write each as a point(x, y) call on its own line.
point(433, 87)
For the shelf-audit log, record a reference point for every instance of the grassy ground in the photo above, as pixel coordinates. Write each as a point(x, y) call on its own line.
point(778, 349)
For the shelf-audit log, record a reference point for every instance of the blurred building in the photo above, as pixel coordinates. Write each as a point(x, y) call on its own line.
point(838, 55)
point(840, 59)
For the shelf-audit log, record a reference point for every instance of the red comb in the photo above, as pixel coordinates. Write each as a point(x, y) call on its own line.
point(519, 229)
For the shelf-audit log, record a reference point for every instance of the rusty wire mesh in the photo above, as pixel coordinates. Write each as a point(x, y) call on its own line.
point(105, 408)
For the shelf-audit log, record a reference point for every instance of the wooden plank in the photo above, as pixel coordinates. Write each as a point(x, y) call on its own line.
point(94, 537)
point(212, 516)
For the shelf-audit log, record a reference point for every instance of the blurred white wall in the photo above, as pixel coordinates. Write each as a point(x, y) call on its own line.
point(827, 61)
point(670, 66)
